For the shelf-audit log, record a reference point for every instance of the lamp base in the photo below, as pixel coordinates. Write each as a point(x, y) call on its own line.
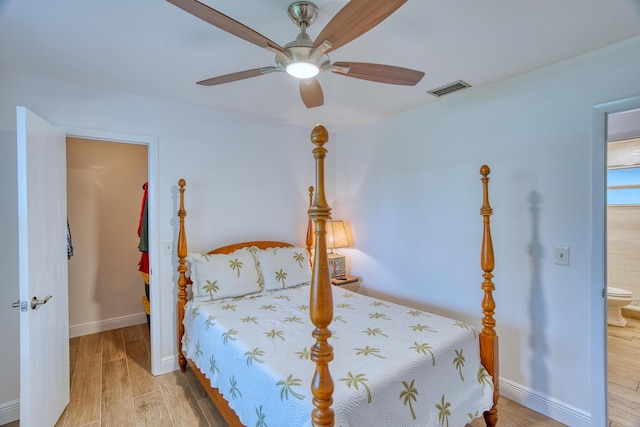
point(337, 266)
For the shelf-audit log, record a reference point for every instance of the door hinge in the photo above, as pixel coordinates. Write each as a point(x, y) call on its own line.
point(22, 305)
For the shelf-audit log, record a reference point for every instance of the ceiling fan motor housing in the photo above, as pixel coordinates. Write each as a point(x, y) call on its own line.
point(300, 52)
point(303, 12)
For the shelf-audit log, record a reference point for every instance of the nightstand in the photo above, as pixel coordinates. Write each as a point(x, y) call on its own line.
point(351, 283)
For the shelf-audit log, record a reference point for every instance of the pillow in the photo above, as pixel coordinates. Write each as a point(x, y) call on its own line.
point(223, 275)
point(284, 267)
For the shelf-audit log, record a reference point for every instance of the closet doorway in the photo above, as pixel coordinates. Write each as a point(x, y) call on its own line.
point(105, 183)
point(110, 284)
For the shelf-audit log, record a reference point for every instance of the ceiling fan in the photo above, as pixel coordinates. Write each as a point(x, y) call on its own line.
point(304, 58)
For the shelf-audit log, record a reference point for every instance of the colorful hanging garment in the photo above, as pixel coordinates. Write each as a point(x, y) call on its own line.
point(143, 233)
point(143, 246)
point(69, 242)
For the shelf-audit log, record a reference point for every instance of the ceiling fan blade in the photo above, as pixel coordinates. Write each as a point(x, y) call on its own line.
point(380, 73)
point(224, 22)
point(354, 19)
point(240, 75)
point(311, 92)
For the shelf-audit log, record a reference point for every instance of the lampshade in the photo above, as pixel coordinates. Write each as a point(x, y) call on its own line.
point(337, 235)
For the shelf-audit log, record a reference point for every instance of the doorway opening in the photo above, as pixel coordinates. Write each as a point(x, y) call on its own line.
point(623, 271)
point(106, 182)
point(151, 145)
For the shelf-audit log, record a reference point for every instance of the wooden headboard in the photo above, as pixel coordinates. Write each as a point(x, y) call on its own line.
point(260, 244)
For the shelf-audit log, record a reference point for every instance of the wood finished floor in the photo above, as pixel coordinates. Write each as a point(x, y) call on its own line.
point(624, 374)
point(111, 385)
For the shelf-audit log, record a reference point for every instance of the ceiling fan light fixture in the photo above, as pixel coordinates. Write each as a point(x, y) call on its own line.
point(302, 69)
point(304, 58)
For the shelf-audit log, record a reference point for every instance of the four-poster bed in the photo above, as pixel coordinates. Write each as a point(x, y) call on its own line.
point(382, 354)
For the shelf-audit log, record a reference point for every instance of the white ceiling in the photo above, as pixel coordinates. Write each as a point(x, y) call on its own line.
point(152, 48)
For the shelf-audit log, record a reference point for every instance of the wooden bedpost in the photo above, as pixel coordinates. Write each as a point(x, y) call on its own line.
point(182, 279)
point(488, 337)
point(309, 239)
point(321, 299)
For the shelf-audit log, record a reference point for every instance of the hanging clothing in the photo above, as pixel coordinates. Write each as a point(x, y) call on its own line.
point(143, 266)
point(143, 228)
point(143, 233)
point(69, 242)
point(143, 246)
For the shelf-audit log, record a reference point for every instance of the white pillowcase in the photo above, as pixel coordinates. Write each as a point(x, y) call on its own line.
point(224, 275)
point(284, 267)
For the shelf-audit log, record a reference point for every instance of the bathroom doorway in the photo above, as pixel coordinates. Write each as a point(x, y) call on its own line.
point(623, 267)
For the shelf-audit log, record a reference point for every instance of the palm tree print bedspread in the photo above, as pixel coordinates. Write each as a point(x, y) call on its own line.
point(393, 365)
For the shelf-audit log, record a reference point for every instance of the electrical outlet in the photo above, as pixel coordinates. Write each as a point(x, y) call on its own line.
point(561, 255)
point(167, 247)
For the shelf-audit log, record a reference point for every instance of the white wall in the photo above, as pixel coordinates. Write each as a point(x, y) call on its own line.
point(9, 317)
point(246, 179)
point(410, 186)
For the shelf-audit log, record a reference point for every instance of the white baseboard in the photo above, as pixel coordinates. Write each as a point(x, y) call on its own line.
point(107, 325)
point(9, 412)
point(167, 364)
point(552, 408)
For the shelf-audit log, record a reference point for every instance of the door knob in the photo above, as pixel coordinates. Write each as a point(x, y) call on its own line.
point(35, 302)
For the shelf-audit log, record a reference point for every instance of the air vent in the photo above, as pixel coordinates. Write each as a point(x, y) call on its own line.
point(449, 88)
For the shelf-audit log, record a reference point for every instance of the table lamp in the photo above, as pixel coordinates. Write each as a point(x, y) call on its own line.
point(337, 238)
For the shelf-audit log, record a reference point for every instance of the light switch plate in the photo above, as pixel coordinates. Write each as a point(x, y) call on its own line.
point(561, 255)
point(167, 247)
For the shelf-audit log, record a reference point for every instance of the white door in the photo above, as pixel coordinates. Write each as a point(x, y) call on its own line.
point(42, 232)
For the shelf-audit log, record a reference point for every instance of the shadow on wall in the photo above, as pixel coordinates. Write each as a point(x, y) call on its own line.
point(539, 350)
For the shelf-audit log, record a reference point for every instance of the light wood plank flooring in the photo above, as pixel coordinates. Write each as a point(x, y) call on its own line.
point(624, 374)
point(111, 385)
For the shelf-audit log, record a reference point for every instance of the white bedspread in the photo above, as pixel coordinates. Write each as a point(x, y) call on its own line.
point(393, 366)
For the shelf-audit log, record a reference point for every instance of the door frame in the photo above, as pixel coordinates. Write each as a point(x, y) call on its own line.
point(598, 306)
point(152, 202)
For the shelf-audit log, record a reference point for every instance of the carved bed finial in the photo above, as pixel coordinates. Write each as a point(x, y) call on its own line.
point(319, 133)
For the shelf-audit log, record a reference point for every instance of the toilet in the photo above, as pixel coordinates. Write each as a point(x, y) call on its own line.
point(616, 299)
